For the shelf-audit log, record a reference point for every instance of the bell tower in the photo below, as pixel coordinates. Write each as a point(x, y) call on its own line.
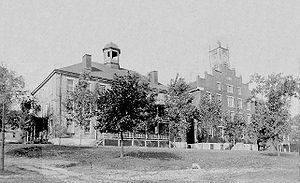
point(111, 55)
point(219, 57)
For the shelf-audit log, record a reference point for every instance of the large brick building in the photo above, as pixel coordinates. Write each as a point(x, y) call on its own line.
point(223, 84)
point(52, 92)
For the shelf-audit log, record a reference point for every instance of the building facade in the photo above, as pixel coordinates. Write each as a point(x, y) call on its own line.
point(52, 92)
point(223, 84)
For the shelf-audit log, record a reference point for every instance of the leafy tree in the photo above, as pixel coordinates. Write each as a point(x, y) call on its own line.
point(270, 121)
point(81, 103)
point(209, 115)
point(14, 119)
point(179, 108)
point(26, 118)
point(11, 86)
point(125, 106)
point(234, 128)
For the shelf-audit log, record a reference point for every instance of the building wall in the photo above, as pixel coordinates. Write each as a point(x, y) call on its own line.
point(225, 77)
point(52, 98)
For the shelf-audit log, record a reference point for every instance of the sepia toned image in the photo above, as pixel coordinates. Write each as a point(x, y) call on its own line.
point(149, 91)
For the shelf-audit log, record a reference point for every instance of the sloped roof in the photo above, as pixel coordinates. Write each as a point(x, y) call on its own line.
point(100, 71)
point(112, 46)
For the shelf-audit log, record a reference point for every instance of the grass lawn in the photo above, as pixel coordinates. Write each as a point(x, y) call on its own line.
point(217, 165)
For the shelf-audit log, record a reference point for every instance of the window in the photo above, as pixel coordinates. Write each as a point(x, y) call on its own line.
point(87, 126)
point(114, 54)
point(230, 101)
point(248, 118)
point(232, 115)
point(239, 90)
point(89, 87)
point(219, 86)
point(229, 88)
point(249, 106)
point(239, 103)
point(219, 97)
point(108, 54)
point(211, 131)
point(209, 95)
point(70, 86)
point(100, 87)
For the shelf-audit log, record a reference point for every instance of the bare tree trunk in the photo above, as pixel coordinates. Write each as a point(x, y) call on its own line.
point(122, 147)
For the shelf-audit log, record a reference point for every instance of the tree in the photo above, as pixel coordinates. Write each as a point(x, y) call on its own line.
point(234, 128)
point(209, 115)
point(11, 86)
point(179, 108)
point(26, 118)
point(270, 121)
point(125, 106)
point(81, 103)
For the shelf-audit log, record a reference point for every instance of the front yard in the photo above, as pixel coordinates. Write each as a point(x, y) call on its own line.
point(161, 165)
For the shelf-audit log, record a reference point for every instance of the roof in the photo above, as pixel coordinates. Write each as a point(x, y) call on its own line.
point(99, 71)
point(112, 46)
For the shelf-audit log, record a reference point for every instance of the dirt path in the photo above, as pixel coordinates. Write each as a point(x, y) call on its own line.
point(48, 170)
point(79, 174)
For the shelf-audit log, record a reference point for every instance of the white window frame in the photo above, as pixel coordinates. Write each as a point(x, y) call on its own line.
point(228, 87)
point(209, 95)
point(219, 86)
point(249, 106)
point(240, 103)
point(219, 95)
point(232, 113)
point(90, 85)
point(73, 84)
point(228, 103)
point(239, 90)
point(248, 118)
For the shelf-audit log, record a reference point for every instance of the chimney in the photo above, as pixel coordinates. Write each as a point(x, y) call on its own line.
point(153, 77)
point(87, 62)
point(198, 78)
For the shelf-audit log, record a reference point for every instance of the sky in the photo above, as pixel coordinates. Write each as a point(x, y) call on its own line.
point(169, 36)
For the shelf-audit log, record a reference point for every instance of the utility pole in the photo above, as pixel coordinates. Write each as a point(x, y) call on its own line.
point(3, 138)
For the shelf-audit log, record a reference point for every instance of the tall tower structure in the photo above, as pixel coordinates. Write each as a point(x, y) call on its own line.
point(219, 56)
point(111, 55)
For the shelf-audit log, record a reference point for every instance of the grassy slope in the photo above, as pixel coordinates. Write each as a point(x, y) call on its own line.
point(156, 159)
point(220, 166)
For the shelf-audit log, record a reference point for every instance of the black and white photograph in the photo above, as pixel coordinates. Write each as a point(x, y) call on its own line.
point(149, 91)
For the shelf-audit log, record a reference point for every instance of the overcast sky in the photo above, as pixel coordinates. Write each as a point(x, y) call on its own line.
point(168, 36)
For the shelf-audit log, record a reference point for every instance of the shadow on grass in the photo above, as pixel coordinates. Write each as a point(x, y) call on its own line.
point(282, 154)
point(38, 151)
point(7, 173)
point(66, 165)
point(153, 155)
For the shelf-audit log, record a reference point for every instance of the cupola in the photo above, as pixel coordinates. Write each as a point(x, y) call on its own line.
point(111, 55)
